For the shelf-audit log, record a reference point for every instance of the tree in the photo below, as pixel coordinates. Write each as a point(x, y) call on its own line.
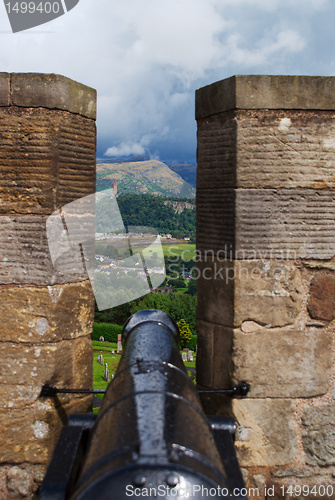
point(185, 333)
point(192, 287)
point(177, 283)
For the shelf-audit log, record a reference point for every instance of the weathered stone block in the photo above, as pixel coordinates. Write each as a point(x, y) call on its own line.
point(215, 287)
point(30, 434)
point(231, 292)
point(217, 152)
point(46, 314)
point(319, 435)
point(52, 91)
point(321, 303)
point(4, 89)
point(266, 435)
point(18, 396)
point(25, 255)
point(267, 224)
point(214, 355)
point(82, 365)
point(285, 149)
point(19, 481)
point(266, 149)
point(29, 365)
point(283, 363)
point(266, 92)
point(47, 159)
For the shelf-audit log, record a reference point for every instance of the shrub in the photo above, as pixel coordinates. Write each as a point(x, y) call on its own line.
point(109, 331)
point(177, 283)
point(185, 333)
point(192, 343)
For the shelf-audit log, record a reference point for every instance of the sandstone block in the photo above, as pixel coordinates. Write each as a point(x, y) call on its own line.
point(283, 363)
point(266, 149)
point(321, 303)
point(217, 152)
point(214, 355)
point(319, 435)
point(231, 292)
point(19, 481)
point(47, 159)
point(30, 434)
point(292, 472)
point(3, 482)
point(82, 366)
point(4, 89)
point(52, 91)
point(267, 224)
point(285, 149)
point(29, 365)
point(46, 314)
point(18, 396)
point(271, 439)
point(25, 255)
point(266, 92)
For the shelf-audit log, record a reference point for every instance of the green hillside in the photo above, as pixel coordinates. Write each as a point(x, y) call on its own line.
point(176, 217)
point(143, 177)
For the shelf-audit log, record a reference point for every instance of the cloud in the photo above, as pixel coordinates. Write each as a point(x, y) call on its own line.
point(267, 48)
point(125, 149)
point(147, 57)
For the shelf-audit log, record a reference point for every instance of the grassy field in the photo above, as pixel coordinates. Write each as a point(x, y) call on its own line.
point(105, 348)
point(184, 250)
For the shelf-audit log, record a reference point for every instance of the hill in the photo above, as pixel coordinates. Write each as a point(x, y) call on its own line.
point(143, 177)
point(165, 215)
point(187, 171)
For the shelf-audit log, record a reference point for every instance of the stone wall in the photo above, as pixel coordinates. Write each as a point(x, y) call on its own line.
point(266, 287)
point(47, 159)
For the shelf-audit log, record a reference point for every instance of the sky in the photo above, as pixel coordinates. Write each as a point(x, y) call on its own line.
point(146, 58)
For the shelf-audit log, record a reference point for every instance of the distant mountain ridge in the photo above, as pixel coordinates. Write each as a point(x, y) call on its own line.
point(143, 177)
point(187, 171)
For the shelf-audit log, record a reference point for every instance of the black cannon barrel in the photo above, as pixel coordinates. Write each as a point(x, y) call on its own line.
point(151, 437)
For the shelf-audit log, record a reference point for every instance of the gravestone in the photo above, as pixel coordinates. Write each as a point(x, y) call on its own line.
point(119, 344)
point(106, 374)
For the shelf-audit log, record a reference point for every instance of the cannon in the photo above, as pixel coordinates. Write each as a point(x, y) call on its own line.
point(151, 436)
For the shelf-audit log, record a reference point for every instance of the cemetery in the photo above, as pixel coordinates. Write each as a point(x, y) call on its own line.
point(105, 353)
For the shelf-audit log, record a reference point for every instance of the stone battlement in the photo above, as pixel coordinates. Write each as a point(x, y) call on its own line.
point(47, 159)
point(266, 214)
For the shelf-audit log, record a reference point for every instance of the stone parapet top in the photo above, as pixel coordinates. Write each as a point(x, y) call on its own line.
point(266, 92)
point(51, 91)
